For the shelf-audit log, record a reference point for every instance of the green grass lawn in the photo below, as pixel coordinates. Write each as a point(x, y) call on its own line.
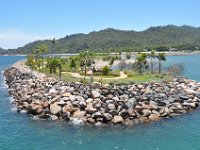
point(136, 78)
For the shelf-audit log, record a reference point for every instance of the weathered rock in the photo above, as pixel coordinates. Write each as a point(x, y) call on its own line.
point(67, 94)
point(55, 99)
point(154, 117)
point(90, 109)
point(68, 108)
point(111, 106)
point(91, 120)
point(61, 103)
point(193, 105)
point(95, 94)
point(66, 116)
point(55, 108)
point(117, 119)
point(80, 98)
point(45, 104)
point(107, 116)
point(146, 112)
point(97, 115)
point(72, 98)
point(131, 103)
point(78, 114)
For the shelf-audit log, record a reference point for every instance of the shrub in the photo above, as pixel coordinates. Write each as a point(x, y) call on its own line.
point(105, 70)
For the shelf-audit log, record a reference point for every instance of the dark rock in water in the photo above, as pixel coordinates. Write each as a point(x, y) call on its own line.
point(66, 116)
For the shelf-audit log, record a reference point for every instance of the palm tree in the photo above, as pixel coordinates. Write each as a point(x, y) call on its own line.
point(30, 60)
point(53, 63)
point(53, 45)
point(141, 61)
point(73, 64)
point(39, 52)
point(161, 57)
point(87, 57)
point(152, 56)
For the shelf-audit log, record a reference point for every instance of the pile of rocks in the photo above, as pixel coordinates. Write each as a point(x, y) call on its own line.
point(47, 98)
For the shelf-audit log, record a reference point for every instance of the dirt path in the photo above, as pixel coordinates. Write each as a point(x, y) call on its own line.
point(77, 75)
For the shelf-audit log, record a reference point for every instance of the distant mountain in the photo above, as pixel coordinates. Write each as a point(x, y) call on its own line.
point(170, 36)
point(2, 51)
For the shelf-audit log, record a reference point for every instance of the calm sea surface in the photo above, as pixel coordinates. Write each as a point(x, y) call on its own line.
point(19, 132)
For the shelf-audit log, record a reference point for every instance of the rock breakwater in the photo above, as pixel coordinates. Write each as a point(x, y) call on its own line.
point(46, 98)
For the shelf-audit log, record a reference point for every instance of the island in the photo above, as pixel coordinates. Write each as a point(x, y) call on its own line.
point(45, 89)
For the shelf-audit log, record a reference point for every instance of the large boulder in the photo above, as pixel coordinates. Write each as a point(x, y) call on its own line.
point(78, 114)
point(117, 119)
point(69, 108)
point(154, 117)
point(55, 108)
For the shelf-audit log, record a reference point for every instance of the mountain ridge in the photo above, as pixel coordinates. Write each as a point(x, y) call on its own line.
point(170, 36)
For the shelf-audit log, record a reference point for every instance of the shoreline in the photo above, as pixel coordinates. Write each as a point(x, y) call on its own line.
point(168, 53)
point(44, 97)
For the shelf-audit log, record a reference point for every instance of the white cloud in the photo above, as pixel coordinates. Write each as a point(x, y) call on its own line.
point(13, 38)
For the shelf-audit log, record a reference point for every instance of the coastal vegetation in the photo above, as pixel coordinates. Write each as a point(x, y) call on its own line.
point(88, 67)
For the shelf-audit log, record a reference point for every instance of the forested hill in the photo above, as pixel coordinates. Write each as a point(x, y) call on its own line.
point(171, 36)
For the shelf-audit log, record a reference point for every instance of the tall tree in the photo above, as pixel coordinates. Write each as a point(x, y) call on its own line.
point(87, 57)
point(53, 46)
point(73, 64)
point(161, 57)
point(141, 61)
point(52, 64)
point(152, 55)
point(39, 52)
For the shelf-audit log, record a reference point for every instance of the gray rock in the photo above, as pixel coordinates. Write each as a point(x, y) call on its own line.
point(80, 98)
point(111, 106)
point(131, 103)
point(72, 98)
point(97, 115)
point(95, 94)
point(107, 116)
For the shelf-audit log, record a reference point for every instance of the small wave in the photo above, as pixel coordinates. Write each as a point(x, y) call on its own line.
point(23, 111)
point(14, 109)
point(4, 86)
point(98, 124)
point(35, 117)
point(11, 99)
point(76, 121)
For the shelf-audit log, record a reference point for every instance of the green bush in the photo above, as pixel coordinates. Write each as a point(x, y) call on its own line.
point(105, 70)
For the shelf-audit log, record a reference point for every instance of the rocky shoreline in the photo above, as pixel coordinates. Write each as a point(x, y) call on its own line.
point(46, 98)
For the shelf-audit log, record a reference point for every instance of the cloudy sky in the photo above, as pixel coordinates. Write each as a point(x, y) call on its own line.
point(24, 21)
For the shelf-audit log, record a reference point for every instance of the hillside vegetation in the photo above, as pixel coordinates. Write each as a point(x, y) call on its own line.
point(171, 36)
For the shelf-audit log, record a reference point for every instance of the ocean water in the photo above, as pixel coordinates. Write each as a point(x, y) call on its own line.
point(19, 132)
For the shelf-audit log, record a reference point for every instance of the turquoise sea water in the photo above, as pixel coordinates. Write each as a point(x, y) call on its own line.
point(19, 132)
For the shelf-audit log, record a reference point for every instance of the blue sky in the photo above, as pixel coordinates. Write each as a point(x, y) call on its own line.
point(23, 21)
